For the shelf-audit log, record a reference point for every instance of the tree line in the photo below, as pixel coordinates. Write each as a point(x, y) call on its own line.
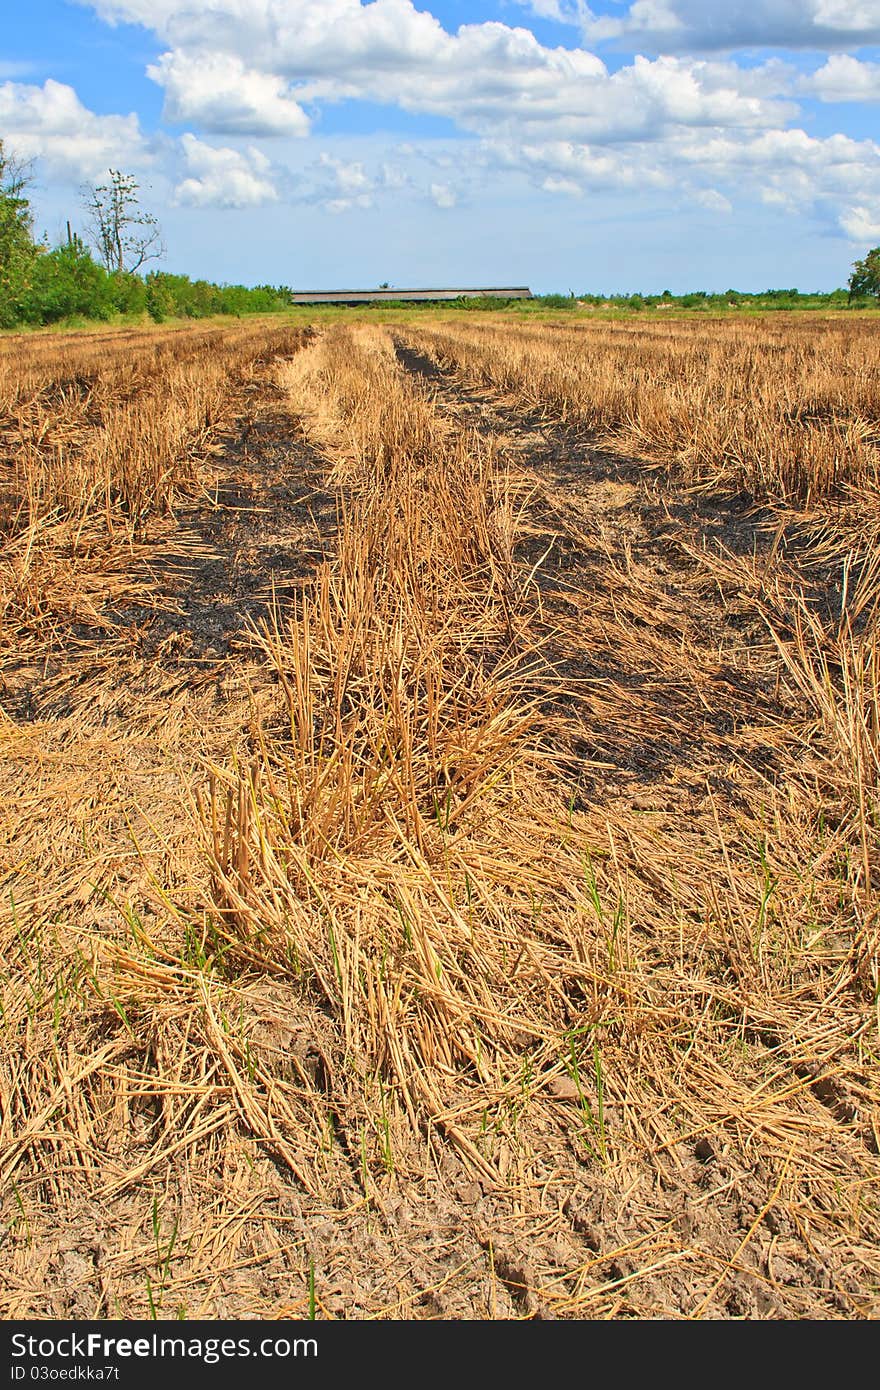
point(102, 274)
point(714, 302)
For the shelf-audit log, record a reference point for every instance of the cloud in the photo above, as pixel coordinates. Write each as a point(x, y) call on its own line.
point(565, 166)
point(844, 79)
point(348, 175)
point(224, 178)
point(442, 173)
point(836, 179)
point(217, 92)
point(777, 155)
point(689, 26)
point(552, 184)
point(392, 176)
point(704, 127)
point(338, 205)
point(248, 66)
point(562, 11)
point(862, 224)
point(713, 200)
point(51, 123)
point(341, 185)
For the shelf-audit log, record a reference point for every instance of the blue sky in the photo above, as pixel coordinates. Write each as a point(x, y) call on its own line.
point(611, 146)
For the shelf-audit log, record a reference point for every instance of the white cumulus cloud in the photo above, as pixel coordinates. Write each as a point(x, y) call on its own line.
point(249, 66)
point(349, 176)
point(224, 178)
point(844, 78)
point(51, 123)
point(217, 92)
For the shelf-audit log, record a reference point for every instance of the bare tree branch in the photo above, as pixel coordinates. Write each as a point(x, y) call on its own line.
point(121, 232)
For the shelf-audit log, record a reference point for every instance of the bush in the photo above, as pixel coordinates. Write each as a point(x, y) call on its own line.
point(128, 293)
point(557, 301)
point(179, 297)
point(66, 282)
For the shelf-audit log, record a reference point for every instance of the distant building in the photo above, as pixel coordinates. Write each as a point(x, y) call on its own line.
point(395, 296)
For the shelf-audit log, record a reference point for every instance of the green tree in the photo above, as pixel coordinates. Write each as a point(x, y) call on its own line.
point(865, 278)
point(17, 250)
point(123, 234)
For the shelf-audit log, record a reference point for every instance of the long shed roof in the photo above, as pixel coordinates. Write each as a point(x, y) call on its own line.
point(393, 296)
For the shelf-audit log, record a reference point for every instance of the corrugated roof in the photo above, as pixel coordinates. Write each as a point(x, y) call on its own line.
point(380, 296)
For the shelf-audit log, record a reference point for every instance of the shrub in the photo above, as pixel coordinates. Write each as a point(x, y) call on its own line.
point(65, 282)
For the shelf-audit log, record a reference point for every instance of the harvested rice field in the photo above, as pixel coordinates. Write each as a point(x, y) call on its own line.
point(440, 821)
